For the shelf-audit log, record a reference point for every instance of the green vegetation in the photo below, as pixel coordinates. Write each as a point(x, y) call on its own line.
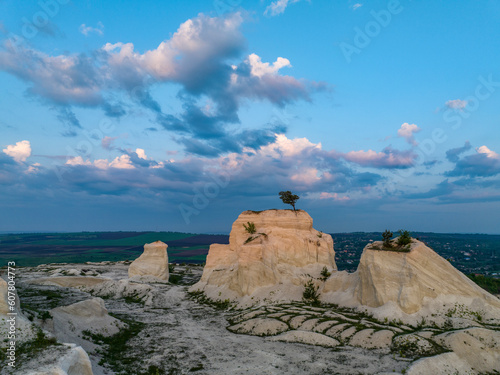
point(174, 279)
point(45, 315)
point(52, 298)
point(404, 238)
point(116, 351)
point(288, 198)
point(325, 274)
point(31, 348)
point(487, 283)
point(250, 228)
point(250, 239)
point(219, 304)
point(387, 235)
point(310, 294)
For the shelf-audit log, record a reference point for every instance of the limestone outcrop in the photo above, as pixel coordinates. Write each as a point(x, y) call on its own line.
point(70, 360)
point(4, 305)
point(279, 252)
point(417, 281)
point(24, 329)
point(68, 322)
point(153, 262)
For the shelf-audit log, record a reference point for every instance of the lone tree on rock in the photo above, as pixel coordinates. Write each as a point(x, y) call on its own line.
point(288, 198)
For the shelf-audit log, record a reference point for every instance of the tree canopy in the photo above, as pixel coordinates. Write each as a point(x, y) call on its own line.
point(288, 198)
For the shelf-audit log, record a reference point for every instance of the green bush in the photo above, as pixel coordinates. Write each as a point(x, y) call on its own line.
point(325, 274)
point(404, 238)
point(488, 283)
point(387, 235)
point(44, 315)
point(250, 228)
point(310, 294)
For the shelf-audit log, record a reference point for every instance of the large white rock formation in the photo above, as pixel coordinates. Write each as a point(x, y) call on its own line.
point(276, 260)
point(152, 262)
point(399, 284)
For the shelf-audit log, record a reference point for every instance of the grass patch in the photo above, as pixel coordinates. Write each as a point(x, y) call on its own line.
point(116, 350)
point(489, 284)
point(218, 304)
point(30, 349)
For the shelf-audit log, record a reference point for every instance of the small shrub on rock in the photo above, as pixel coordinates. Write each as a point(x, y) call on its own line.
point(310, 294)
point(250, 228)
point(387, 235)
point(325, 274)
point(404, 238)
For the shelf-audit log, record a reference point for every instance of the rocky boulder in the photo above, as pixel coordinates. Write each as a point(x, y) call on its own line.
point(69, 322)
point(152, 262)
point(280, 248)
point(399, 284)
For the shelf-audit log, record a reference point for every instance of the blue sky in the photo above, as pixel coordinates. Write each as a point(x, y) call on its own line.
point(125, 115)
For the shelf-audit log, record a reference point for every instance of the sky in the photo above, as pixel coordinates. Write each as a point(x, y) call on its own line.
point(178, 116)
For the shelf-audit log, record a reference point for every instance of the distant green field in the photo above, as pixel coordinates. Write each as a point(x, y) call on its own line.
point(32, 249)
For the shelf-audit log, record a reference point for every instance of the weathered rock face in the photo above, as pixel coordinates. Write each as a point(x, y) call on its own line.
point(285, 249)
point(409, 278)
point(4, 306)
point(68, 322)
point(152, 262)
point(71, 360)
point(409, 282)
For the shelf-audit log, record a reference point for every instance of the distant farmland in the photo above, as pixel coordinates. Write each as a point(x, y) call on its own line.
point(37, 248)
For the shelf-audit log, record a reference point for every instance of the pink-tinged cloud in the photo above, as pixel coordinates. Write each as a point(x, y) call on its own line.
point(489, 153)
point(334, 196)
point(387, 158)
point(407, 132)
point(19, 152)
point(456, 104)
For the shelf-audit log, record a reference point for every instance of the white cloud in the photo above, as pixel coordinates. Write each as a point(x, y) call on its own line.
point(387, 158)
point(356, 6)
point(457, 104)
point(122, 162)
point(86, 30)
point(19, 152)
point(489, 153)
point(141, 153)
point(286, 147)
point(407, 131)
point(307, 176)
point(33, 168)
point(78, 160)
point(259, 69)
point(278, 7)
